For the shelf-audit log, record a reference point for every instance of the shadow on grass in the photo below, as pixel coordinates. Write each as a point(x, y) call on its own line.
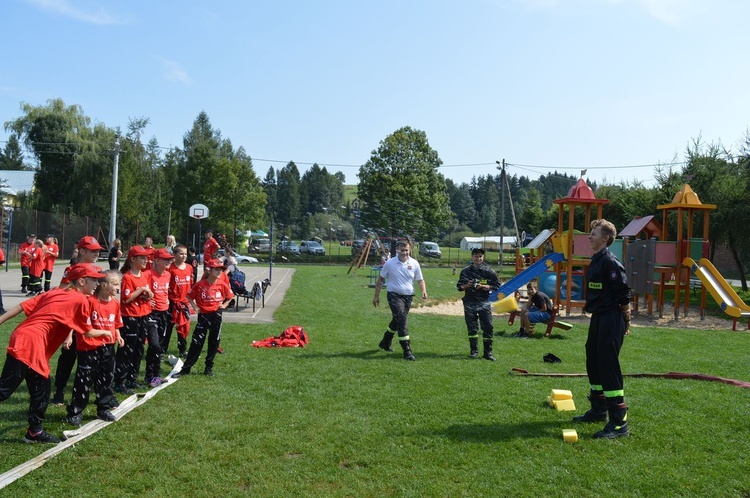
point(491, 433)
point(13, 433)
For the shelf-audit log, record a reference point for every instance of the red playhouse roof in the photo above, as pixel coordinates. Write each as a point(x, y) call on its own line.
point(580, 193)
point(646, 224)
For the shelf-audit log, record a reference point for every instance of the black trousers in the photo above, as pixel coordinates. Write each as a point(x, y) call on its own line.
point(15, 372)
point(65, 364)
point(400, 305)
point(606, 333)
point(128, 357)
point(476, 313)
point(157, 326)
point(208, 324)
point(24, 277)
point(95, 369)
point(47, 280)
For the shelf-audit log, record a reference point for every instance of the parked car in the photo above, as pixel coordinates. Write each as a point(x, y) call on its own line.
point(312, 247)
point(288, 246)
point(357, 245)
point(260, 245)
point(430, 250)
point(239, 257)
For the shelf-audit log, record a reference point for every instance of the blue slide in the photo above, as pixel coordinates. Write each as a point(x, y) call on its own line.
point(530, 273)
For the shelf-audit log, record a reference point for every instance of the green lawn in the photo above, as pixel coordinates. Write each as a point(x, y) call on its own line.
point(342, 418)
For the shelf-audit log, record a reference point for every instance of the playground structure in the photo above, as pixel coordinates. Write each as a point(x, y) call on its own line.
point(722, 292)
point(653, 262)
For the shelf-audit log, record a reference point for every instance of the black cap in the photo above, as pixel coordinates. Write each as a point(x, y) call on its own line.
point(477, 250)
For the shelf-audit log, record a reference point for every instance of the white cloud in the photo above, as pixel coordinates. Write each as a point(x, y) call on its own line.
point(173, 71)
point(90, 14)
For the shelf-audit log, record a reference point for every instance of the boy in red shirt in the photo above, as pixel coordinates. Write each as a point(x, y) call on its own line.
point(88, 251)
point(210, 297)
point(96, 354)
point(49, 318)
point(209, 248)
point(158, 319)
point(179, 310)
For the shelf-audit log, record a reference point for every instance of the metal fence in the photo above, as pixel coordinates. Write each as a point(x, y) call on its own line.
point(18, 224)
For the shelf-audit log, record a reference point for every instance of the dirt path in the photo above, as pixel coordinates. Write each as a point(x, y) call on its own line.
point(692, 321)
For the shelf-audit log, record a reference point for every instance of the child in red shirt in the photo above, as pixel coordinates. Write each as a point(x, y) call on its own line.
point(135, 308)
point(36, 268)
point(96, 354)
point(158, 319)
point(179, 310)
point(51, 252)
point(210, 297)
point(49, 318)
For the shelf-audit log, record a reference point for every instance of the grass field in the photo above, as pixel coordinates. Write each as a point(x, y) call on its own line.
point(342, 418)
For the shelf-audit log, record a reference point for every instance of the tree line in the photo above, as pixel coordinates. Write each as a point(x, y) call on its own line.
point(400, 189)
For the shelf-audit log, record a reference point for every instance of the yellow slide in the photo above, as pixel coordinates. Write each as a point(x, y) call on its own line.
point(722, 292)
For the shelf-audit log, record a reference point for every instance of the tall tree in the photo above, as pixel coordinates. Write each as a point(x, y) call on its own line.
point(11, 158)
point(288, 197)
point(58, 134)
point(401, 187)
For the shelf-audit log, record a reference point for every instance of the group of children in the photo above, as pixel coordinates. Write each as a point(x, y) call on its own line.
point(156, 289)
point(37, 261)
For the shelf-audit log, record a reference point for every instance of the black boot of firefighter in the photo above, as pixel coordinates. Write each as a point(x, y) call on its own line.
point(488, 350)
point(618, 422)
point(598, 411)
point(406, 346)
point(385, 343)
point(473, 348)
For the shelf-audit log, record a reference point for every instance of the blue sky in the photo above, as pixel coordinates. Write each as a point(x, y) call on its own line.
point(602, 85)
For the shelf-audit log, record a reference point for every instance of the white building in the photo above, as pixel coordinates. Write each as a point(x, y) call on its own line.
point(489, 243)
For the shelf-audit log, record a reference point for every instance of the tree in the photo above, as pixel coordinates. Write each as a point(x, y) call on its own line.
point(321, 192)
point(532, 215)
point(401, 188)
point(11, 158)
point(288, 196)
point(59, 135)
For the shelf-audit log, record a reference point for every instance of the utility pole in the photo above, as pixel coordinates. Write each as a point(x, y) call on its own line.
point(113, 208)
point(502, 210)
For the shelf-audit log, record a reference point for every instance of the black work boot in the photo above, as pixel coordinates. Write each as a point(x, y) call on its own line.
point(598, 411)
point(473, 348)
point(618, 423)
point(488, 350)
point(406, 346)
point(385, 343)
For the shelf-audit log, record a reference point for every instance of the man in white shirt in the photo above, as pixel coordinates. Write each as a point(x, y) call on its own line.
point(401, 273)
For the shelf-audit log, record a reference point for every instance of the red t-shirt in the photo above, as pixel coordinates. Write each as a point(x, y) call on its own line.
point(209, 248)
point(25, 251)
point(105, 315)
point(49, 259)
point(180, 283)
point(36, 266)
point(50, 317)
point(160, 288)
point(139, 306)
point(208, 297)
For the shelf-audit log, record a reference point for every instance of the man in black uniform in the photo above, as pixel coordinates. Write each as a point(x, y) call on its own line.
point(478, 280)
point(608, 301)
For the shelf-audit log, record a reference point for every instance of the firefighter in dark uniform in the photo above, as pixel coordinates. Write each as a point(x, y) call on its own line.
point(477, 280)
point(608, 301)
